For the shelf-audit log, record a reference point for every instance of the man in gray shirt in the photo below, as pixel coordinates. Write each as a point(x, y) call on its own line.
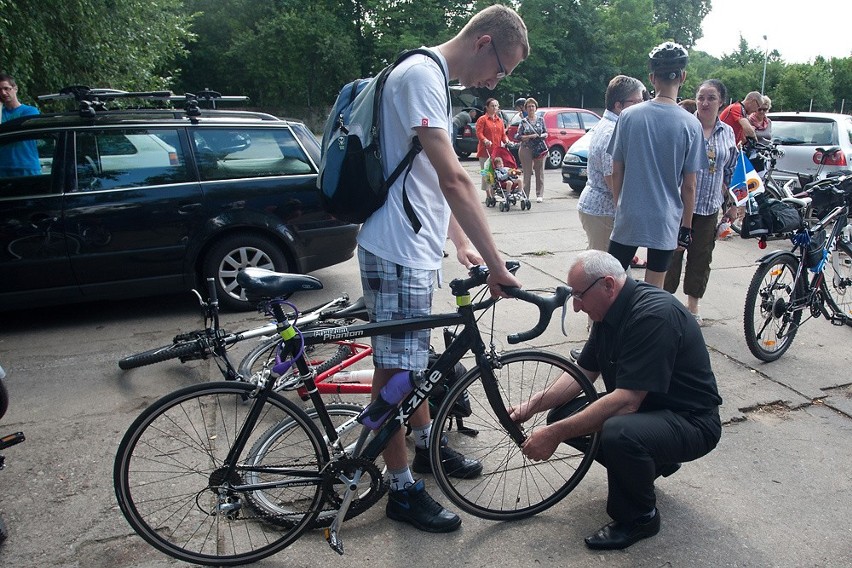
point(656, 148)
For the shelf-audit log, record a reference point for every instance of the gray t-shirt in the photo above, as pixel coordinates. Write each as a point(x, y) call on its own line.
point(657, 143)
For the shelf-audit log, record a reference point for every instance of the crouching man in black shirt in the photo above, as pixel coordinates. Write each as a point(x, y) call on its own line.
point(661, 405)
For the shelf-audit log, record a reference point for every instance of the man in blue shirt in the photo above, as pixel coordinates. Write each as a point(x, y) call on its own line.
point(16, 158)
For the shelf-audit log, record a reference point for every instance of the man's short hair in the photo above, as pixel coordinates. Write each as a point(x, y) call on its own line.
point(754, 96)
point(621, 88)
point(500, 22)
point(598, 263)
point(8, 78)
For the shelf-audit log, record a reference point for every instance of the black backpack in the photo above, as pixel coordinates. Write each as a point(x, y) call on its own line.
point(351, 178)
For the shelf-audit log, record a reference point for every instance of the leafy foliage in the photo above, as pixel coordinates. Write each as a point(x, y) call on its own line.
point(291, 56)
point(127, 44)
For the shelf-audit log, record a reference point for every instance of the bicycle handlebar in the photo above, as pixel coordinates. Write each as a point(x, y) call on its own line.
point(546, 307)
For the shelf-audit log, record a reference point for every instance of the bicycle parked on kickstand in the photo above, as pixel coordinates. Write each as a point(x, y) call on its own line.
point(814, 278)
point(229, 473)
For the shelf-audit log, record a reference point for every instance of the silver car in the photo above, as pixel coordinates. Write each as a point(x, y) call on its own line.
point(800, 134)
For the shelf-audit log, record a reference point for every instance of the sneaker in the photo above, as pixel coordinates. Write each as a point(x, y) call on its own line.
point(414, 506)
point(455, 463)
point(539, 199)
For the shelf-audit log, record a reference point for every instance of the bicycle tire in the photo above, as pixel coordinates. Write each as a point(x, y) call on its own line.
point(323, 356)
point(511, 486)
point(4, 398)
point(264, 447)
point(769, 325)
point(160, 354)
point(837, 281)
point(168, 473)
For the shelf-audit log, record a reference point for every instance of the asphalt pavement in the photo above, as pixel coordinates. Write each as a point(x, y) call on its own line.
point(777, 491)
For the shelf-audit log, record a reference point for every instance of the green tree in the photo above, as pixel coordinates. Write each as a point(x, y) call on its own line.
point(841, 71)
point(681, 19)
point(805, 87)
point(632, 32)
point(132, 44)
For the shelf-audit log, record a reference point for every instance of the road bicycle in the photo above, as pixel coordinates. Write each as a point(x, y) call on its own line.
point(213, 341)
point(814, 278)
point(229, 473)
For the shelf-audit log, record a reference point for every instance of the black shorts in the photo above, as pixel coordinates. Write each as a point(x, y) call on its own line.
point(658, 260)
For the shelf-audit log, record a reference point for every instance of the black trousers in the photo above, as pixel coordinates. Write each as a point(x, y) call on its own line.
point(634, 447)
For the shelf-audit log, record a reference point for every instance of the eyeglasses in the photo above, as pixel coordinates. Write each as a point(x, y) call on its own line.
point(579, 295)
point(762, 109)
point(502, 74)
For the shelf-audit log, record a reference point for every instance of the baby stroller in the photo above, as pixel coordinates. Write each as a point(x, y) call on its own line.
point(507, 187)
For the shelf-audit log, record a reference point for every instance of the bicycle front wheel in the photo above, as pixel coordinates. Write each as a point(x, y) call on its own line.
point(173, 351)
point(769, 323)
point(838, 277)
point(511, 486)
point(176, 491)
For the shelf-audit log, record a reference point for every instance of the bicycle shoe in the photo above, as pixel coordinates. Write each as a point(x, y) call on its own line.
point(414, 506)
point(455, 464)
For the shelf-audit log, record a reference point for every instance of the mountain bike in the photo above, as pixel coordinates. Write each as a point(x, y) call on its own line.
point(213, 341)
point(814, 278)
point(229, 473)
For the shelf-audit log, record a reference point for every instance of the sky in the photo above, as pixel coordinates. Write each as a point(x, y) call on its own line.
point(799, 29)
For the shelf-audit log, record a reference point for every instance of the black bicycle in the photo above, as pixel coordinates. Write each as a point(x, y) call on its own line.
point(229, 473)
point(814, 278)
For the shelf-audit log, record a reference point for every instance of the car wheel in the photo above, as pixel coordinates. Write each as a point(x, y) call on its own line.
point(576, 187)
point(463, 155)
point(554, 157)
point(227, 257)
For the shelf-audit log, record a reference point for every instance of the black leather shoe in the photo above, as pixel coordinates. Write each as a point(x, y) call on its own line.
point(668, 469)
point(616, 535)
point(414, 506)
point(575, 354)
point(455, 464)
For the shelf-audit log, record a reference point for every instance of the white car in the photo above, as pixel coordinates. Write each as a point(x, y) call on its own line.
point(800, 134)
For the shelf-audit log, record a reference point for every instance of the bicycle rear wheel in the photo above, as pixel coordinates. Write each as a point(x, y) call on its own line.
point(258, 362)
point(265, 451)
point(511, 485)
point(769, 323)
point(838, 277)
point(174, 489)
point(173, 351)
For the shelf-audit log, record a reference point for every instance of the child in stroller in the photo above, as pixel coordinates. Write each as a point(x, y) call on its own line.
point(508, 185)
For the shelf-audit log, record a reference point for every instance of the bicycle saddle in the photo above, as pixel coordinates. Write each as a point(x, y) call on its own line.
point(259, 283)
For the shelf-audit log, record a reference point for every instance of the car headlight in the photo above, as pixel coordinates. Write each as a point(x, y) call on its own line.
point(572, 159)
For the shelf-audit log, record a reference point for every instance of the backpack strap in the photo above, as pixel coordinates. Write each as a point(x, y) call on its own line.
point(416, 147)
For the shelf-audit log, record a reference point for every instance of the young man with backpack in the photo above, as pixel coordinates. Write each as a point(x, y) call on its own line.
point(399, 264)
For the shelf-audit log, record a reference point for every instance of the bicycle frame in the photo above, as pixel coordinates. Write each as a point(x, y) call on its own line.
point(468, 339)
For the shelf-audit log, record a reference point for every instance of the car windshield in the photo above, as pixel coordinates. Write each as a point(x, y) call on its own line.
point(812, 131)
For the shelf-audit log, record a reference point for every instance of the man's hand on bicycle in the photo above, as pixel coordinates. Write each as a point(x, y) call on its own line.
point(541, 444)
point(468, 256)
point(520, 413)
point(499, 276)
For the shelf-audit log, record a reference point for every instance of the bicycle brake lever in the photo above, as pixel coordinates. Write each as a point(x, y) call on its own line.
point(197, 295)
point(564, 315)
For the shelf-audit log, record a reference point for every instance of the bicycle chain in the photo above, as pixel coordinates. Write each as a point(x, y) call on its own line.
point(330, 475)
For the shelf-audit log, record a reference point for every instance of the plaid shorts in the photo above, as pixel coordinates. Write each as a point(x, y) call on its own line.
point(395, 292)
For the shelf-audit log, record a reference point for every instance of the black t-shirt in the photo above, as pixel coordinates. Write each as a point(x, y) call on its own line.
point(648, 341)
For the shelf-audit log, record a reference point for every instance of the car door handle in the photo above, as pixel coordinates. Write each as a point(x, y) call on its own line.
point(189, 208)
